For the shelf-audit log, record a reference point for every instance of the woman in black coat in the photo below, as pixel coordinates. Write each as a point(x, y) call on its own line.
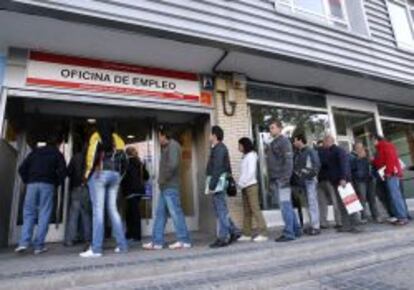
point(133, 188)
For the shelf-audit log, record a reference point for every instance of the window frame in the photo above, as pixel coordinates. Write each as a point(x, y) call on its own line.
point(409, 9)
point(325, 17)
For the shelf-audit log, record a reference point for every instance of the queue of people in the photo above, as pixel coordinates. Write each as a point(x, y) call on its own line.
point(101, 168)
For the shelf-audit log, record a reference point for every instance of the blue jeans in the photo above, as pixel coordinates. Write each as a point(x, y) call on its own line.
point(37, 206)
point(226, 226)
point(284, 193)
point(103, 186)
point(169, 202)
point(397, 202)
point(313, 205)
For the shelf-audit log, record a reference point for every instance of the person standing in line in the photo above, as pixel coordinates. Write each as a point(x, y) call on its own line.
point(280, 167)
point(363, 182)
point(250, 193)
point(339, 174)
point(169, 198)
point(80, 204)
point(43, 171)
point(218, 168)
point(306, 168)
point(326, 192)
point(133, 188)
point(386, 160)
point(106, 162)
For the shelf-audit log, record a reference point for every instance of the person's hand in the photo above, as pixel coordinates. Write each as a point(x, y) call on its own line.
point(342, 182)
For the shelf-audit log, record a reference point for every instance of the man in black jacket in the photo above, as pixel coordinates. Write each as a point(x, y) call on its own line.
point(42, 171)
point(217, 168)
point(80, 204)
point(338, 170)
point(133, 188)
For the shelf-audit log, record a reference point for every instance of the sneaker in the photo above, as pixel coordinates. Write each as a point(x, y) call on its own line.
point(90, 254)
point(219, 244)
point(284, 239)
point(392, 220)
point(118, 250)
point(40, 251)
point(151, 246)
point(244, 238)
point(179, 246)
point(260, 238)
point(20, 249)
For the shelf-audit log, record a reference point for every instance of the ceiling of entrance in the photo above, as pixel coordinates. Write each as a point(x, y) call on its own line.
point(40, 33)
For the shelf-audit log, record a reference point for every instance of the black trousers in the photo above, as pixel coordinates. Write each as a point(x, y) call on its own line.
point(133, 218)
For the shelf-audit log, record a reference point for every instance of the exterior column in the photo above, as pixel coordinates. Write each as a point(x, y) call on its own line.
point(235, 127)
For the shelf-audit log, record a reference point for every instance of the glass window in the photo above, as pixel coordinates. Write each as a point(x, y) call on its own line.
point(352, 126)
point(312, 123)
point(401, 13)
point(402, 136)
point(330, 11)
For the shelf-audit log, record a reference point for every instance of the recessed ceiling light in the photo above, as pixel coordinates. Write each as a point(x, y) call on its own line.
point(91, 121)
point(131, 136)
point(41, 144)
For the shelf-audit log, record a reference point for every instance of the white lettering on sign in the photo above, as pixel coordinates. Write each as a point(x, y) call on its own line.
point(85, 74)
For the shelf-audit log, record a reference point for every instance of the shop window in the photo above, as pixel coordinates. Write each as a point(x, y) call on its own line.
point(313, 124)
point(402, 19)
point(402, 136)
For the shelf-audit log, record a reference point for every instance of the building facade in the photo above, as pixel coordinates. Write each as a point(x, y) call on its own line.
point(343, 67)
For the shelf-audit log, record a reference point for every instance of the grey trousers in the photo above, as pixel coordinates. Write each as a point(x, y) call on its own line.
point(79, 209)
point(327, 192)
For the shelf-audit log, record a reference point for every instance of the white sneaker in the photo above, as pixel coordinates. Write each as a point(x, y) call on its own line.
point(260, 238)
point(179, 246)
point(40, 251)
point(90, 254)
point(245, 239)
point(118, 250)
point(150, 246)
point(392, 219)
point(20, 249)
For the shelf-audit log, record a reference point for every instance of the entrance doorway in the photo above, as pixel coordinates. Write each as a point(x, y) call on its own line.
point(28, 121)
point(354, 121)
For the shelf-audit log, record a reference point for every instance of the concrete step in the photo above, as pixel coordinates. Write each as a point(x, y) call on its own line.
point(59, 271)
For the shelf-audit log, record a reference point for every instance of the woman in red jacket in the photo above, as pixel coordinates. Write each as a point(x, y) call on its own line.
point(387, 163)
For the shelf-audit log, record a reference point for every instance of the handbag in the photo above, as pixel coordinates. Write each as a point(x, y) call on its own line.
point(231, 186)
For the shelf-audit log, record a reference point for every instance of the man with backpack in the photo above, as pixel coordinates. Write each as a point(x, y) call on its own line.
point(306, 166)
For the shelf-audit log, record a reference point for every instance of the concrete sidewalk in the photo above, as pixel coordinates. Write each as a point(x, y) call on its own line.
point(240, 266)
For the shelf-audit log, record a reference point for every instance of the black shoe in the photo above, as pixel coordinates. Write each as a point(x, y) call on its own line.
point(284, 239)
point(219, 244)
point(315, 232)
point(324, 227)
point(68, 244)
point(234, 238)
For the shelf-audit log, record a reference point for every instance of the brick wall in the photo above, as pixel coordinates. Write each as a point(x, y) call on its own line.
point(234, 127)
